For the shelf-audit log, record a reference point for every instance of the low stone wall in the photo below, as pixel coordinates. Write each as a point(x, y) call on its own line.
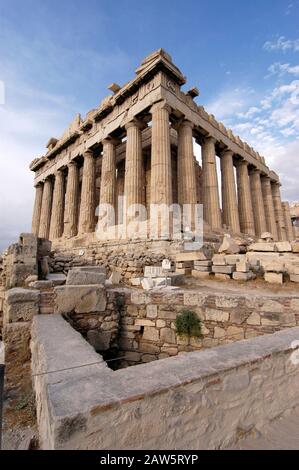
point(147, 329)
point(201, 400)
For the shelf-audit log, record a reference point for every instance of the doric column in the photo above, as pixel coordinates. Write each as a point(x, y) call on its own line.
point(244, 199)
point(279, 217)
point(211, 204)
point(161, 182)
point(87, 206)
point(288, 221)
point(229, 195)
point(108, 176)
point(37, 208)
point(269, 206)
point(71, 201)
point(257, 202)
point(45, 217)
point(186, 167)
point(56, 227)
point(134, 167)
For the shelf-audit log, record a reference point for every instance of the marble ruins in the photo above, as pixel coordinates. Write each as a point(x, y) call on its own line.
point(139, 144)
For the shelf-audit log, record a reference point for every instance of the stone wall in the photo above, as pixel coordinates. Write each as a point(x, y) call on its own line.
point(201, 400)
point(147, 330)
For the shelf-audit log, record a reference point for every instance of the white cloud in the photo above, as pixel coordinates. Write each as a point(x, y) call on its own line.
point(281, 69)
point(282, 44)
point(230, 102)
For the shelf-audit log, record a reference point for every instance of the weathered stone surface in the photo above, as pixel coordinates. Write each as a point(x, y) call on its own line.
point(58, 279)
point(229, 246)
point(267, 236)
point(115, 277)
point(219, 332)
point(242, 267)
point(254, 319)
point(284, 247)
point(41, 285)
point(222, 277)
point(80, 299)
point(246, 276)
point(167, 335)
point(233, 259)
point(99, 340)
point(153, 271)
point(294, 277)
point(216, 315)
point(223, 269)
point(273, 278)
point(151, 311)
point(273, 265)
point(200, 274)
point(191, 256)
point(219, 260)
point(20, 305)
point(147, 283)
point(295, 247)
point(92, 269)
point(202, 269)
point(260, 246)
point(136, 281)
point(84, 278)
point(150, 334)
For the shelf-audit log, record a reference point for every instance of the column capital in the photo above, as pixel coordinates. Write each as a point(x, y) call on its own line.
point(187, 123)
point(160, 105)
point(111, 140)
point(135, 123)
point(209, 138)
point(39, 184)
point(226, 151)
point(254, 170)
point(266, 177)
point(72, 163)
point(241, 163)
point(88, 153)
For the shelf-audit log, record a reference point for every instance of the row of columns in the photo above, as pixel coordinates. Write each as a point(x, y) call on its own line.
point(251, 204)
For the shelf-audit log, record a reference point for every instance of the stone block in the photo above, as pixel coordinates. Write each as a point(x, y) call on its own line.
point(79, 299)
point(233, 259)
point(150, 334)
point(153, 271)
point(184, 264)
point(162, 281)
point(58, 279)
point(219, 332)
point(183, 271)
point(294, 277)
point(136, 281)
point(115, 277)
point(242, 267)
point(229, 246)
point(273, 265)
point(99, 340)
point(147, 283)
point(223, 269)
point(235, 333)
point(167, 335)
point(273, 278)
point(222, 277)
point(216, 315)
point(202, 263)
point(283, 247)
point(144, 322)
point(267, 236)
point(84, 278)
point(177, 279)
point(200, 274)
point(91, 269)
point(191, 256)
point(20, 305)
point(295, 247)
point(203, 269)
point(40, 285)
point(151, 311)
point(247, 276)
point(219, 260)
point(263, 246)
point(254, 319)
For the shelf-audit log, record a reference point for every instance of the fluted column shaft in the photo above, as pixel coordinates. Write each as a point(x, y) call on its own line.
point(211, 203)
point(133, 166)
point(269, 206)
point(288, 221)
point(108, 177)
point(37, 208)
point(229, 195)
point(279, 217)
point(56, 227)
point(186, 167)
point(45, 218)
point(257, 202)
point(244, 199)
point(71, 201)
point(87, 206)
point(161, 181)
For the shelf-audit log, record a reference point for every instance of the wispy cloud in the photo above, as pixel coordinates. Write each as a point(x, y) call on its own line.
point(282, 44)
point(281, 69)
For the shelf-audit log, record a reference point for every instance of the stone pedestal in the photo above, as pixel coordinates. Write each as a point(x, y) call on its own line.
point(56, 227)
point(279, 216)
point(211, 204)
point(37, 208)
point(269, 206)
point(45, 219)
point(108, 177)
point(134, 174)
point(230, 214)
point(71, 201)
point(244, 199)
point(288, 221)
point(87, 207)
point(257, 202)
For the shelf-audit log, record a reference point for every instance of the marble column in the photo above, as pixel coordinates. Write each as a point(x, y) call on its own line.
point(269, 206)
point(229, 195)
point(186, 166)
point(45, 218)
point(288, 221)
point(211, 203)
point(37, 208)
point(108, 176)
point(56, 227)
point(161, 181)
point(120, 186)
point(133, 190)
point(71, 201)
point(257, 202)
point(87, 206)
point(244, 199)
point(279, 217)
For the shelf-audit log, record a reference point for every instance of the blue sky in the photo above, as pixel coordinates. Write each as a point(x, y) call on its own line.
point(58, 57)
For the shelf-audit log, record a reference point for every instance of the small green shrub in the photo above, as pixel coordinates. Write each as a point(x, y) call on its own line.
point(188, 324)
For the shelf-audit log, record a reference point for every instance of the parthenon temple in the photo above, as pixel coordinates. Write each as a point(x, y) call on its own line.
point(139, 143)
